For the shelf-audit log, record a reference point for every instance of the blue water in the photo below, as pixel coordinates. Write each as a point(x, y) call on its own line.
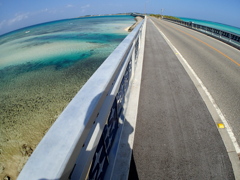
point(216, 25)
point(42, 68)
point(64, 41)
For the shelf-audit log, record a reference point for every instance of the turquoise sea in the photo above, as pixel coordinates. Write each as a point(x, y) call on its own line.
point(65, 41)
point(216, 25)
point(42, 67)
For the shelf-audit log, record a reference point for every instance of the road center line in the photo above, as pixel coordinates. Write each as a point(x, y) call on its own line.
point(219, 112)
point(220, 52)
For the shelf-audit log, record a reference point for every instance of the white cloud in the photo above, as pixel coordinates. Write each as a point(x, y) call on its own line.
point(83, 8)
point(45, 10)
point(2, 23)
point(70, 6)
point(18, 17)
point(12, 23)
point(53, 11)
point(86, 6)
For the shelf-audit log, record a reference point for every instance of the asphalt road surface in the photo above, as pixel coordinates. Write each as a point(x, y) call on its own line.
point(176, 137)
point(220, 74)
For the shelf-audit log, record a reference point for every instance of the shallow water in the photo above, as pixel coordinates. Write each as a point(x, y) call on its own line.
point(41, 69)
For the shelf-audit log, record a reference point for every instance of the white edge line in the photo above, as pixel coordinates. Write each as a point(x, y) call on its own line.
point(219, 112)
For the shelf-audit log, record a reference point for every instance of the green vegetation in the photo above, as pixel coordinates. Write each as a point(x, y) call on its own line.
point(156, 15)
point(169, 17)
point(172, 17)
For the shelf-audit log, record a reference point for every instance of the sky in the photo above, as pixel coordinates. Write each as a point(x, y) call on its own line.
point(15, 14)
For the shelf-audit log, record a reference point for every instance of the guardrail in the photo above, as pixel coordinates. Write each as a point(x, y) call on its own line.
point(138, 14)
point(225, 36)
point(78, 144)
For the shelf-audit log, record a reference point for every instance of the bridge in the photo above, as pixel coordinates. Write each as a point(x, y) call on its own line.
point(164, 105)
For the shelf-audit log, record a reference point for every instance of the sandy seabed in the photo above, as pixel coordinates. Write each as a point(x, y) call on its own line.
point(32, 99)
point(30, 104)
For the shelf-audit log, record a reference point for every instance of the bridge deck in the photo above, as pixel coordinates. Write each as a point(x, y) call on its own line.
point(175, 136)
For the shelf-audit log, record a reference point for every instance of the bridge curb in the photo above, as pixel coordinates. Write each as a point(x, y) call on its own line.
point(123, 159)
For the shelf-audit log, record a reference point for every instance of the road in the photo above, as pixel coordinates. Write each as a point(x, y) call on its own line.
point(175, 136)
point(216, 64)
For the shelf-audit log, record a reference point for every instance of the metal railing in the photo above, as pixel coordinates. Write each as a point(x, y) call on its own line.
point(78, 144)
point(225, 36)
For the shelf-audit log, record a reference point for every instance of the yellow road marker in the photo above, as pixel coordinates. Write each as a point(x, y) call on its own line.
point(220, 125)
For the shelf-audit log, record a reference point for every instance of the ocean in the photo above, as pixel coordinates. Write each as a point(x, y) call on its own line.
point(216, 25)
point(42, 67)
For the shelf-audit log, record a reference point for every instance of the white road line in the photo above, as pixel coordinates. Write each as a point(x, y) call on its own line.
point(220, 114)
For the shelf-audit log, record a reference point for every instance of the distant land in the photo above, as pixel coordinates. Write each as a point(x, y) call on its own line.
point(138, 18)
point(131, 14)
point(165, 16)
